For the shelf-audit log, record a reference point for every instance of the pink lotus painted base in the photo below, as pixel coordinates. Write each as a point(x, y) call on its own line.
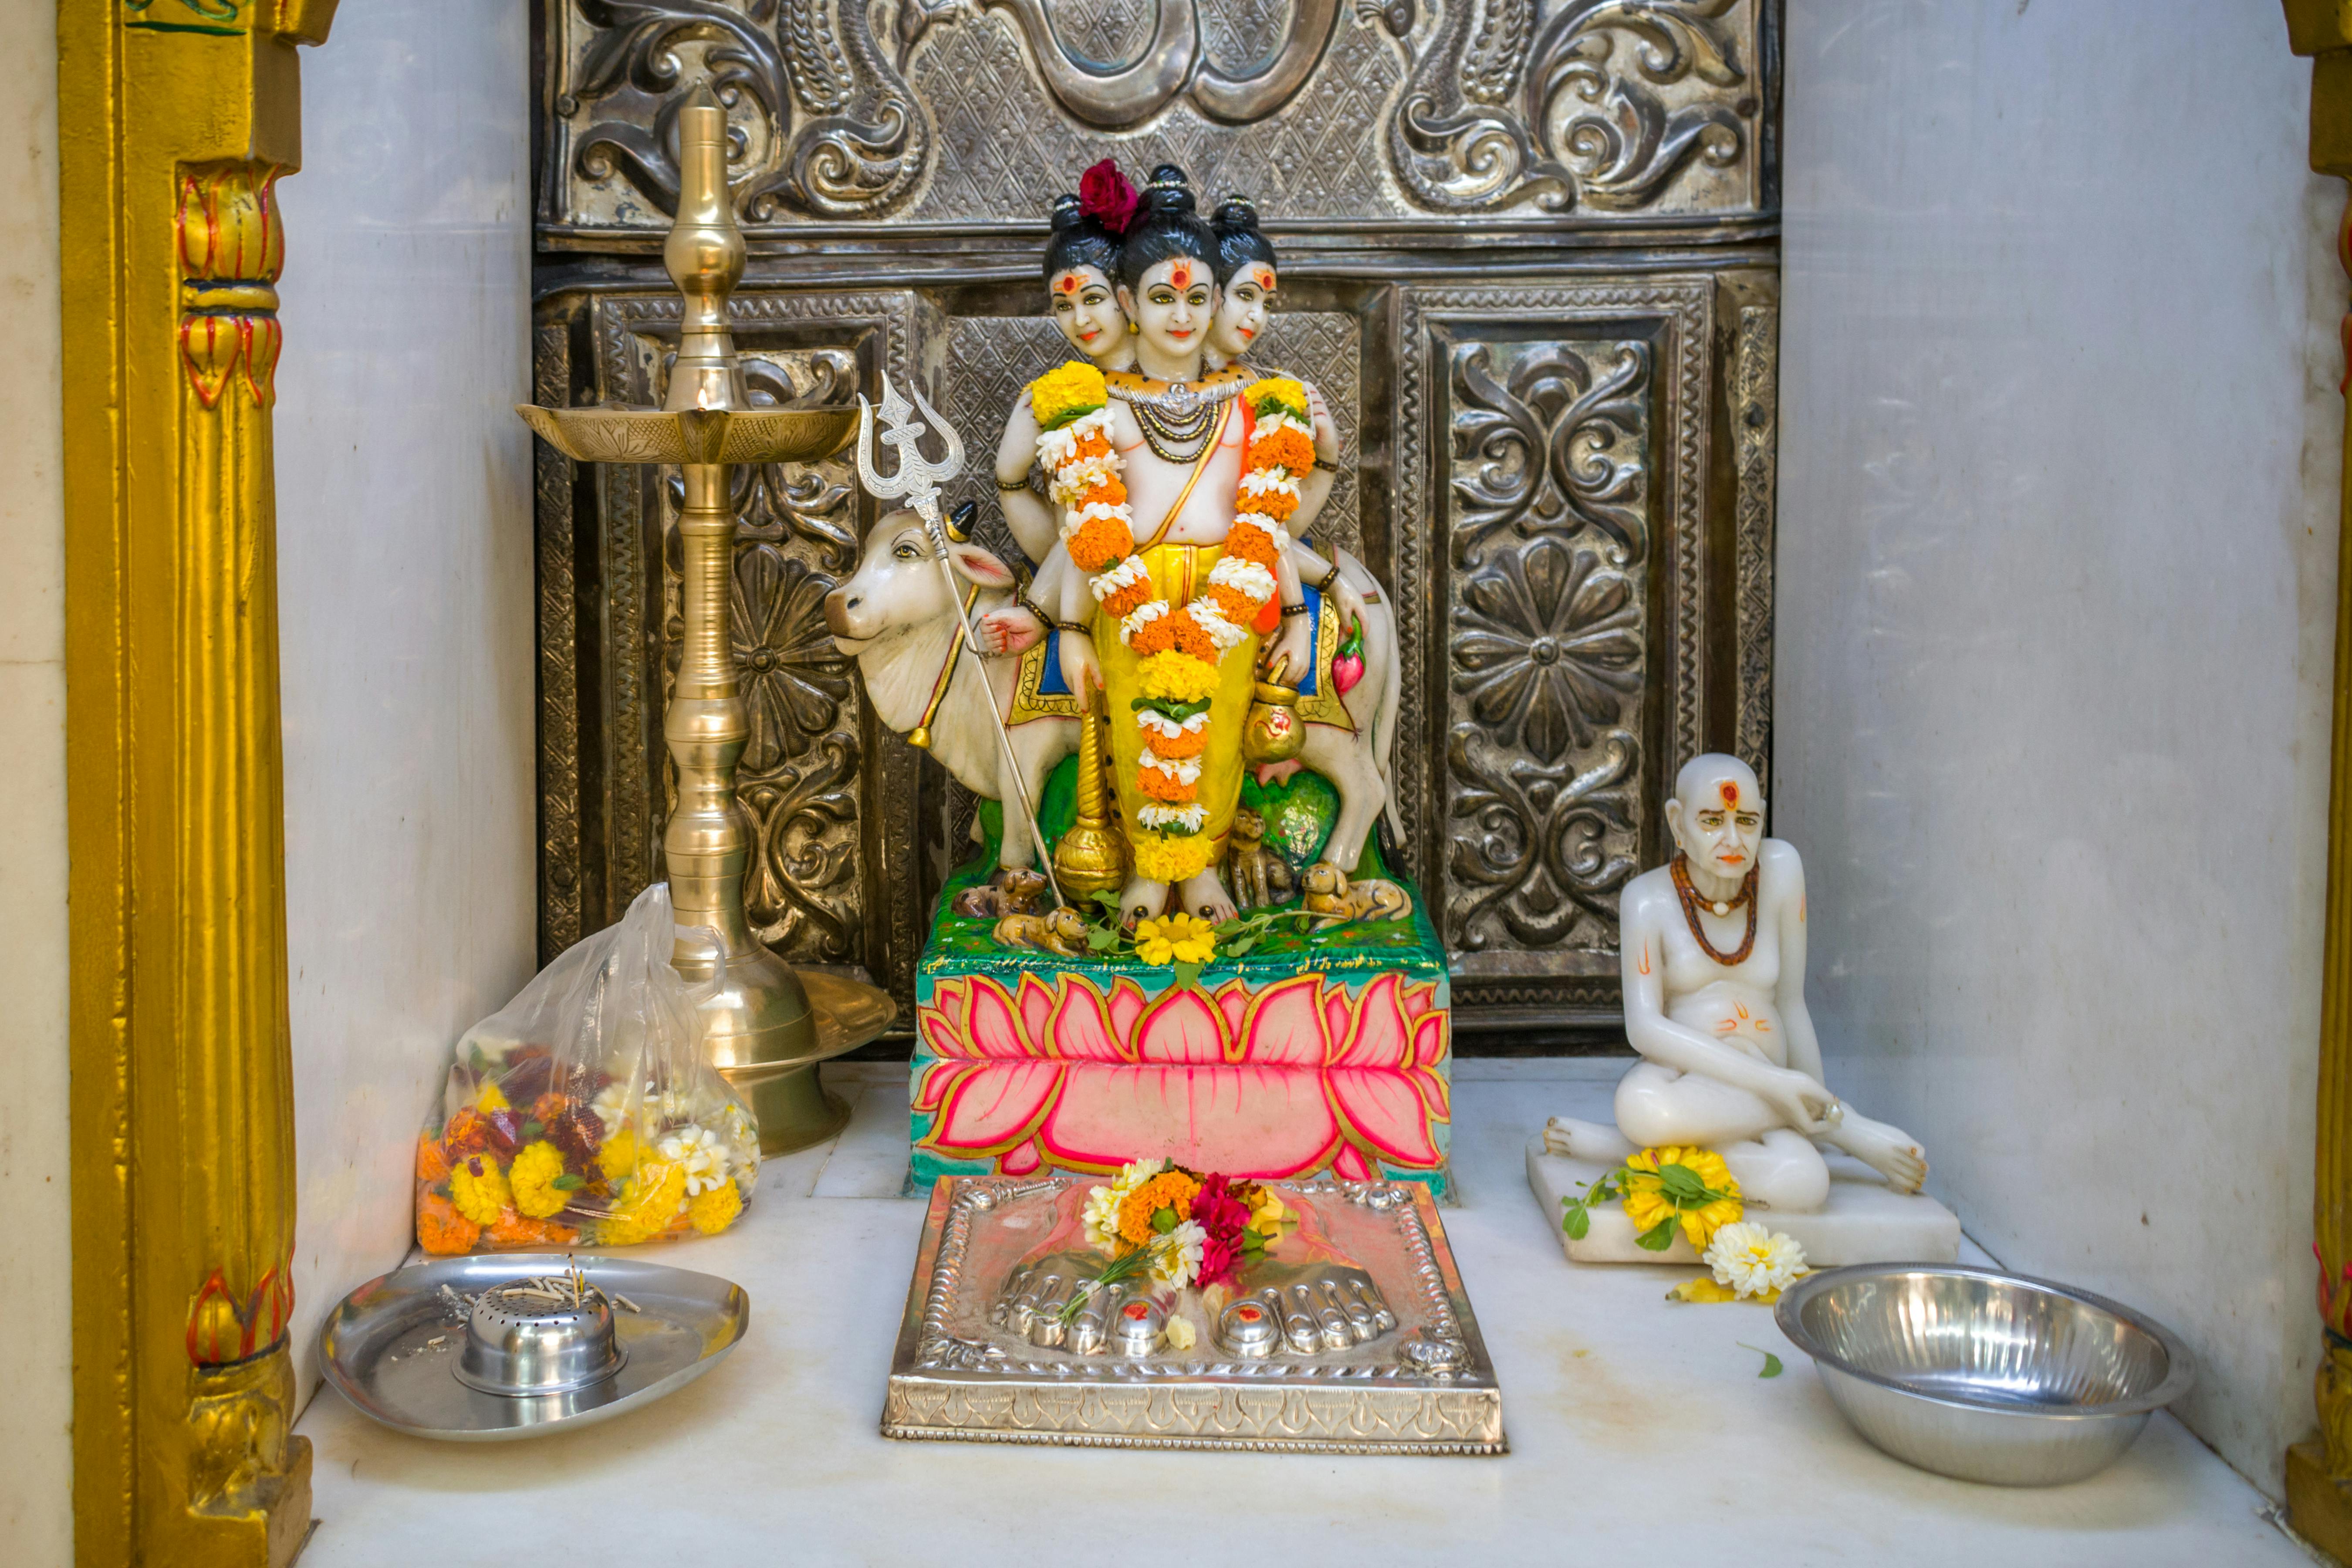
point(1296, 1077)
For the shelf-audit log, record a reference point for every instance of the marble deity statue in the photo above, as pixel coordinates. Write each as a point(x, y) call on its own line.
point(1713, 949)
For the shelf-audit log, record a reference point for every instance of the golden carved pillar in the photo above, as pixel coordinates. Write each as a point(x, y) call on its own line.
point(2319, 1473)
point(175, 118)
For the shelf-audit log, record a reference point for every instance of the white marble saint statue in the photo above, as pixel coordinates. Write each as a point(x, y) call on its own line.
point(1714, 963)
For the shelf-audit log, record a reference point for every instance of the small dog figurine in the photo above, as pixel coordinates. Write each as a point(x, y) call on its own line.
point(1010, 892)
point(1258, 877)
point(1064, 932)
point(1333, 899)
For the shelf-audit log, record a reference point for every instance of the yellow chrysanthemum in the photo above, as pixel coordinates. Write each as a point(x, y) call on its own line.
point(491, 1098)
point(1648, 1204)
point(619, 1156)
point(532, 1177)
point(1171, 859)
point(715, 1210)
point(1064, 392)
point(1182, 938)
point(654, 1196)
point(479, 1189)
point(1177, 678)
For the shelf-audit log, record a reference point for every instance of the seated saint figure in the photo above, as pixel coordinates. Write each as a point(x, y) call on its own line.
point(1713, 948)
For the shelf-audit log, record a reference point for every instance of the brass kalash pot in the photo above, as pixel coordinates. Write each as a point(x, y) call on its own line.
point(1273, 733)
point(768, 1028)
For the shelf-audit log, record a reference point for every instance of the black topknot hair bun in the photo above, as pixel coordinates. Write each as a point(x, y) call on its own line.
point(1170, 191)
point(1068, 211)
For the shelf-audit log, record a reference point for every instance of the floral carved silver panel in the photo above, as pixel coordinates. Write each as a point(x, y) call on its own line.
point(952, 111)
point(1555, 439)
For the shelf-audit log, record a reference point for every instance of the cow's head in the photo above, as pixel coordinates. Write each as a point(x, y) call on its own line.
point(898, 585)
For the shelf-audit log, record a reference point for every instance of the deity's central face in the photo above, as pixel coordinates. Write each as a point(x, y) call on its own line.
point(1085, 307)
point(1247, 299)
point(1172, 309)
point(1719, 824)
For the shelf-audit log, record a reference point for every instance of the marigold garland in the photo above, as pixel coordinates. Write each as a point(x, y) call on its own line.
point(1180, 648)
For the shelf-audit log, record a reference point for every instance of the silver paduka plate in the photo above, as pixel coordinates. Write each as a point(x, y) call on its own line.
point(1354, 1335)
point(397, 1347)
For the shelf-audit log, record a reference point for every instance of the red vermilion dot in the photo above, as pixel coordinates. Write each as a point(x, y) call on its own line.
point(1067, 283)
point(1265, 278)
point(1730, 792)
point(1181, 277)
point(1137, 1310)
point(1251, 1314)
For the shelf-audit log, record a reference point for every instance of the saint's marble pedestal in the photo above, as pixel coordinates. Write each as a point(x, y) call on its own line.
point(1862, 1222)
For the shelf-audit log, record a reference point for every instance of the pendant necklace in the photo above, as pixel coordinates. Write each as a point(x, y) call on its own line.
point(1177, 418)
point(1691, 900)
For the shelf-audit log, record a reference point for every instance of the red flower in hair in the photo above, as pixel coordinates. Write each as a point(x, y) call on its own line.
point(1106, 196)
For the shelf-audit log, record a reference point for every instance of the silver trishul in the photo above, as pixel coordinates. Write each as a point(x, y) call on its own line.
point(916, 482)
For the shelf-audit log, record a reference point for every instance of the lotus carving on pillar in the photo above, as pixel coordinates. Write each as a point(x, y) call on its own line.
point(1294, 1079)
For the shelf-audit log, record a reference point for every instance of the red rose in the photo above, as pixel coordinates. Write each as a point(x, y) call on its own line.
point(1104, 195)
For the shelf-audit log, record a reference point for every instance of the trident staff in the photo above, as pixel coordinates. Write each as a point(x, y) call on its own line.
point(916, 482)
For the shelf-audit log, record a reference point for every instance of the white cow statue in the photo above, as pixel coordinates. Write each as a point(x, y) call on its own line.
point(895, 617)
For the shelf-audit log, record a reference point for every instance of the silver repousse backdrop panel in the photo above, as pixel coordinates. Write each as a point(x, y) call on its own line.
point(1529, 255)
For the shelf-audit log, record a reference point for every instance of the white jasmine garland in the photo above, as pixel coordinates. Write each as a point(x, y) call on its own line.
point(1160, 814)
point(1245, 575)
point(1141, 618)
point(1210, 619)
point(1151, 719)
point(1259, 481)
point(1126, 574)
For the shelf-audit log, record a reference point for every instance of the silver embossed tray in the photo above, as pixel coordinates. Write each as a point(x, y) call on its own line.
point(1354, 1335)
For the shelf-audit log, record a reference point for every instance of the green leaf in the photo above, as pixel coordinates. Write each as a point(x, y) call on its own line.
point(568, 1182)
point(531, 1129)
point(1108, 899)
point(1658, 1237)
point(1233, 926)
point(1187, 974)
point(1101, 939)
point(1771, 1361)
point(1241, 946)
point(1579, 1223)
point(1682, 1183)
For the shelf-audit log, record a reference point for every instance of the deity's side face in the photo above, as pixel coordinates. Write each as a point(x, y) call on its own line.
point(1247, 299)
point(1085, 307)
point(1718, 821)
point(1173, 307)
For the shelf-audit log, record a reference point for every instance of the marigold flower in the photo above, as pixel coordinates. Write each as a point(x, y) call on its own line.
point(1099, 543)
point(652, 1201)
point(479, 1189)
point(441, 1230)
point(432, 1164)
point(1648, 1204)
point(1171, 859)
point(619, 1156)
point(715, 1210)
point(1282, 448)
point(1177, 744)
point(1173, 677)
point(1169, 1190)
point(1285, 392)
point(1164, 786)
point(466, 1133)
point(1251, 544)
point(550, 1106)
point(491, 1098)
point(532, 1179)
point(513, 1229)
point(1122, 602)
point(1238, 607)
point(1064, 392)
point(1276, 504)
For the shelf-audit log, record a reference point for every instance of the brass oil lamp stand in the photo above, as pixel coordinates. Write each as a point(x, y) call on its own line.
point(770, 1026)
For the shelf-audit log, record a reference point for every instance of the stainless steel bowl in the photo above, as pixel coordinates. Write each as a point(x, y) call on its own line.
point(520, 1343)
point(1984, 1375)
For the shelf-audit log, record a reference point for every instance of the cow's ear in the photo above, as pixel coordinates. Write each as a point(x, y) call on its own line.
point(981, 566)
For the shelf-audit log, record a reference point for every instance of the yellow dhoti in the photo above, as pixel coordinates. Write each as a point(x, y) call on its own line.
point(1177, 574)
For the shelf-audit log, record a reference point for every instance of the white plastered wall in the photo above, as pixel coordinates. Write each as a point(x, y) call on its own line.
point(405, 599)
point(2057, 562)
point(35, 1499)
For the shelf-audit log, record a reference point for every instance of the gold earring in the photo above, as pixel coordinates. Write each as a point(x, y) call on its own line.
point(1135, 326)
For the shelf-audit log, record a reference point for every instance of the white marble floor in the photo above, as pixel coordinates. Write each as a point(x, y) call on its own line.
point(1639, 1431)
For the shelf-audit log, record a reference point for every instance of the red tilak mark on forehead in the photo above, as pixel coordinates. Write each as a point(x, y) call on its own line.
point(1181, 276)
point(1068, 283)
point(1730, 792)
point(1263, 277)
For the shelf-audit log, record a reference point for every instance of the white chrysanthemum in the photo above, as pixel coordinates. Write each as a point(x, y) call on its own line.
point(1184, 770)
point(1126, 574)
point(1160, 816)
point(1102, 1216)
point(1245, 575)
point(1178, 1256)
point(1154, 721)
point(1261, 482)
point(1212, 623)
point(1135, 1173)
point(1140, 618)
point(698, 1150)
point(1752, 1260)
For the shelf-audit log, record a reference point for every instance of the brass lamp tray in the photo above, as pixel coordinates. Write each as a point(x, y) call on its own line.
point(1422, 1384)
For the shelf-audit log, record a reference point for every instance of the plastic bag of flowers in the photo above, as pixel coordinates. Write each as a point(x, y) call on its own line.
point(585, 1112)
